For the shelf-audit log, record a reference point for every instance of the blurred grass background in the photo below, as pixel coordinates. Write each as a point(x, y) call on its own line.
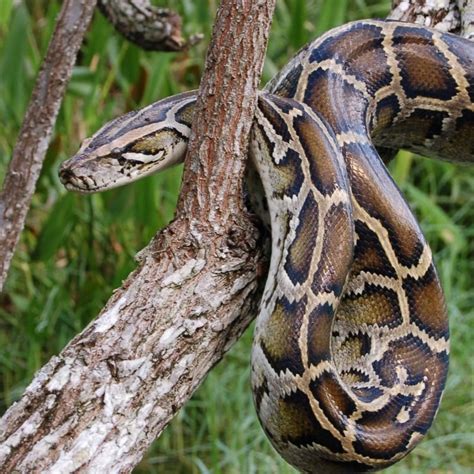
point(76, 249)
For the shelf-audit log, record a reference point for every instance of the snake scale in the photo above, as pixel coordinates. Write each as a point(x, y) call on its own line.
point(350, 353)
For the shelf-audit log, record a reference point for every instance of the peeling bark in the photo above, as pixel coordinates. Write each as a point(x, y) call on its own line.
point(113, 389)
point(466, 7)
point(150, 27)
point(440, 14)
point(33, 139)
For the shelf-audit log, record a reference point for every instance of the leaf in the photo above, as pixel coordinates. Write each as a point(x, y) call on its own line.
point(333, 13)
point(5, 12)
point(448, 231)
point(56, 228)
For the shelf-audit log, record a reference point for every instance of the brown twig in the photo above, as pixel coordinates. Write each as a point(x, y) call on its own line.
point(32, 143)
point(151, 28)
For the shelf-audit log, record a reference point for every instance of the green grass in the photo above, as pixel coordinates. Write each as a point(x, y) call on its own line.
point(76, 249)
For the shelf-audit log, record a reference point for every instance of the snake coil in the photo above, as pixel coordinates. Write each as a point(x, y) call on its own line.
point(350, 354)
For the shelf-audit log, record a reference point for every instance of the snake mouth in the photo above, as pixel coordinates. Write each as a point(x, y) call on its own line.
point(94, 175)
point(73, 181)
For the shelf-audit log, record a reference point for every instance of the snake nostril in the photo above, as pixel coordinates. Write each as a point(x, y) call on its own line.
point(65, 174)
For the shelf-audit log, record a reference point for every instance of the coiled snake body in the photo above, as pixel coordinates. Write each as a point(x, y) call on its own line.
point(350, 353)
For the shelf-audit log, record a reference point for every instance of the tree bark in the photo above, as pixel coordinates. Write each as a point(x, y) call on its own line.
point(32, 143)
point(113, 389)
point(466, 7)
point(440, 14)
point(150, 27)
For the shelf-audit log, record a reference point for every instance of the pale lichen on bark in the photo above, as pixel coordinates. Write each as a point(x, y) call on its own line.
point(454, 16)
point(466, 7)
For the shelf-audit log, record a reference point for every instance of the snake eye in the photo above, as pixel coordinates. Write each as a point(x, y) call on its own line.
point(116, 151)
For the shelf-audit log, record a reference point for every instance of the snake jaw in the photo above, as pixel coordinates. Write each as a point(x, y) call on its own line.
point(99, 168)
point(86, 176)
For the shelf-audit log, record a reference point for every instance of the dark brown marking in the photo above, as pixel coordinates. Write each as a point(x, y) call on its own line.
point(340, 103)
point(384, 115)
point(369, 255)
point(375, 191)
point(275, 119)
point(367, 394)
point(319, 334)
point(299, 426)
point(300, 252)
point(361, 53)
point(335, 402)
point(326, 169)
point(333, 265)
point(382, 434)
point(289, 84)
point(378, 436)
point(424, 70)
point(408, 352)
point(280, 340)
point(427, 305)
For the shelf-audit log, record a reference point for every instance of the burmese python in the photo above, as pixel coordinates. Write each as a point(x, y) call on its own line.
point(351, 345)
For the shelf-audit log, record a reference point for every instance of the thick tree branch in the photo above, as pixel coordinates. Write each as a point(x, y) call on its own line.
point(113, 389)
point(32, 143)
point(150, 27)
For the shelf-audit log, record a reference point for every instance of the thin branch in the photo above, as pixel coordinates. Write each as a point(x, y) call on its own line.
point(114, 388)
point(32, 143)
point(150, 27)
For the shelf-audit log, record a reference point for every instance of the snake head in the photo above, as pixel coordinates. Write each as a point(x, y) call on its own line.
point(131, 147)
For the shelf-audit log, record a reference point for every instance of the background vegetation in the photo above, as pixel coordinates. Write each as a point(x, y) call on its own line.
point(76, 249)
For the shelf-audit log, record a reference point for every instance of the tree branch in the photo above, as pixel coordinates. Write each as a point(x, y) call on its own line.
point(466, 7)
point(150, 27)
point(440, 14)
point(113, 389)
point(32, 143)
